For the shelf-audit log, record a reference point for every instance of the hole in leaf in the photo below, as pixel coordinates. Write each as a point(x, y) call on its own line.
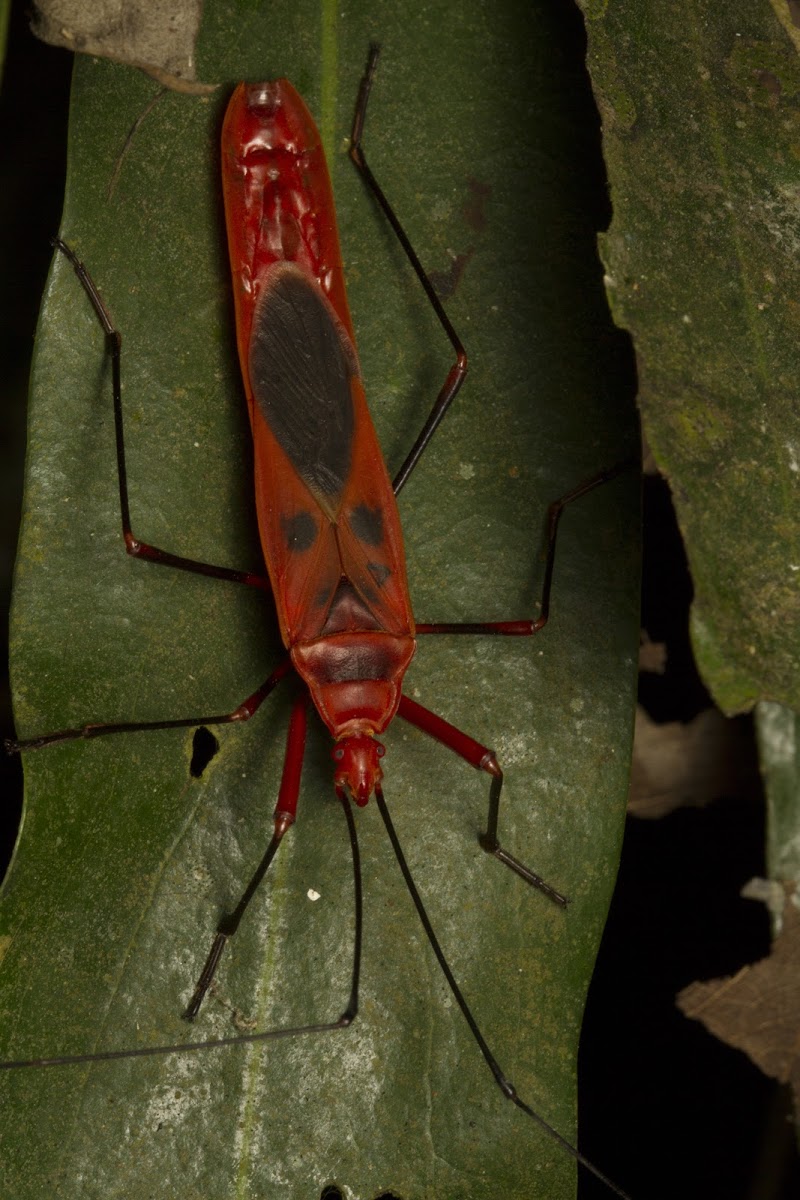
point(204, 747)
point(331, 1192)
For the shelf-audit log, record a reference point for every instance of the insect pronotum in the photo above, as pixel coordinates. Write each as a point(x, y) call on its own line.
point(328, 521)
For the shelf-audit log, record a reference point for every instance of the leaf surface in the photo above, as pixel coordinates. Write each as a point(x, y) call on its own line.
point(126, 861)
point(700, 119)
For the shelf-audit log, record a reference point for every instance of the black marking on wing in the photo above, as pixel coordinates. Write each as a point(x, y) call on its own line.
point(367, 524)
point(300, 531)
point(300, 369)
point(324, 595)
point(379, 572)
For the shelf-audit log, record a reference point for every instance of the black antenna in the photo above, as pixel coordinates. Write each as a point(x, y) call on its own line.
point(342, 1022)
point(502, 1081)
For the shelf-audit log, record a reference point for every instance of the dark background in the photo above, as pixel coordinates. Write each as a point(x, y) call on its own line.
point(666, 1110)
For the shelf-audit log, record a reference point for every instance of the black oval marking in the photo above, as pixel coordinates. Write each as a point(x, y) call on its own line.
point(323, 597)
point(367, 524)
point(301, 365)
point(379, 572)
point(300, 531)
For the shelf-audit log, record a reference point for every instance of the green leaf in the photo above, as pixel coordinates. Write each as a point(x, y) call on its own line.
point(700, 136)
point(126, 862)
point(779, 753)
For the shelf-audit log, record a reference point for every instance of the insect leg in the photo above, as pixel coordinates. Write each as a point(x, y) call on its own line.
point(502, 1080)
point(283, 819)
point(458, 371)
point(242, 713)
point(133, 546)
point(485, 760)
point(526, 628)
point(240, 1039)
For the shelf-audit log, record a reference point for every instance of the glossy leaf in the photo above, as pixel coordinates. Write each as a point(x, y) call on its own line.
point(126, 861)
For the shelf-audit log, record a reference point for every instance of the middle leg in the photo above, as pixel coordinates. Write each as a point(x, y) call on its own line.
point(529, 626)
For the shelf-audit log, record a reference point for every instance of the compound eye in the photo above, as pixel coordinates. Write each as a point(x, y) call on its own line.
point(381, 750)
point(338, 754)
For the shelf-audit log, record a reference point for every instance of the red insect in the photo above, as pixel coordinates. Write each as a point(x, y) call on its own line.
point(327, 514)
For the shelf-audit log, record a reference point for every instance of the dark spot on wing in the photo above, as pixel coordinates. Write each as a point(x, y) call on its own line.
point(301, 365)
point(300, 531)
point(323, 597)
point(367, 524)
point(379, 572)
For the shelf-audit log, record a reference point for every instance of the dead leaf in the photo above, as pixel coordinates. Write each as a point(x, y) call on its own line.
point(676, 764)
point(757, 1010)
point(156, 36)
